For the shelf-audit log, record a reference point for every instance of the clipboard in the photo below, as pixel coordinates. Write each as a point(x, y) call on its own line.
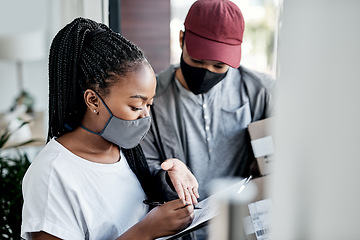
point(208, 210)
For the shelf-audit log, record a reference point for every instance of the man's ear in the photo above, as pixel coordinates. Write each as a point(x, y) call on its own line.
point(181, 38)
point(91, 100)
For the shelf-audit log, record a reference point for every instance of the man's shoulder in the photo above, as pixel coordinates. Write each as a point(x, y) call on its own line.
point(164, 78)
point(260, 88)
point(256, 80)
point(260, 77)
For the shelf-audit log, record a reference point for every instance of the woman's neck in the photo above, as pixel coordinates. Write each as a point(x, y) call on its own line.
point(90, 146)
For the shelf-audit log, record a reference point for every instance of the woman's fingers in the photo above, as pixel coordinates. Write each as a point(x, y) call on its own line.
point(183, 212)
point(186, 212)
point(176, 204)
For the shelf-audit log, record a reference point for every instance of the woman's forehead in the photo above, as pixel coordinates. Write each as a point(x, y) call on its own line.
point(141, 83)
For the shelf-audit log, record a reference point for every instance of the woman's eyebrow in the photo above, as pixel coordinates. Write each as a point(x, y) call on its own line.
point(139, 96)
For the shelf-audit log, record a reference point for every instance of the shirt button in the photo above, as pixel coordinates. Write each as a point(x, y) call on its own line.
point(208, 139)
point(207, 128)
point(204, 105)
point(206, 117)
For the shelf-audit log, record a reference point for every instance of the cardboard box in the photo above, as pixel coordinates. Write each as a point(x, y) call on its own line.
point(243, 215)
point(262, 144)
point(258, 214)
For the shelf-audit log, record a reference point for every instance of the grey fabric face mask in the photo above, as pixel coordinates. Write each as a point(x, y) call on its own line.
point(124, 133)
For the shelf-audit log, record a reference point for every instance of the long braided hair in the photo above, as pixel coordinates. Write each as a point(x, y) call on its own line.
point(88, 55)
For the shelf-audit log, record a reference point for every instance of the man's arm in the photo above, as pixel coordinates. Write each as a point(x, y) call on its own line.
point(151, 148)
point(172, 174)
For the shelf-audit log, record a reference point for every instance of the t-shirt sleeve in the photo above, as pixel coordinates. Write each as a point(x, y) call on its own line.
point(48, 203)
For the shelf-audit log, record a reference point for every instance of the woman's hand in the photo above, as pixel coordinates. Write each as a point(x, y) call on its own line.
point(183, 180)
point(169, 218)
point(161, 221)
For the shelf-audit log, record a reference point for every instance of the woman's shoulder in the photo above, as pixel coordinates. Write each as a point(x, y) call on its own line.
point(45, 162)
point(49, 153)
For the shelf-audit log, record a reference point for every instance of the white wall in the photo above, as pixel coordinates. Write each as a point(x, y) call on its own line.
point(19, 16)
point(16, 17)
point(315, 188)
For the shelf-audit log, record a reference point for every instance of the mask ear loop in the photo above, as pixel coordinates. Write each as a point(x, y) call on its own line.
point(111, 115)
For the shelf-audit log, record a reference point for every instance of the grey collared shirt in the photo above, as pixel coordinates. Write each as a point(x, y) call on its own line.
point(216, 124)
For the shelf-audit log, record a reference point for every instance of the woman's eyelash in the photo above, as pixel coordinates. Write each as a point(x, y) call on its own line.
point(139, 109)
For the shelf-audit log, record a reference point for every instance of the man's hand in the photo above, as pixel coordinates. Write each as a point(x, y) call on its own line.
point(183, 180)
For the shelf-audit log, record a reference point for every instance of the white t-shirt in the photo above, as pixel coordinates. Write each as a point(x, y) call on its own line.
point(73, 198)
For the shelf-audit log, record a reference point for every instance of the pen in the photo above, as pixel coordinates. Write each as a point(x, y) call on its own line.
point(243, 185)
point(155, 204)
point(150, 203)
point(193, 206)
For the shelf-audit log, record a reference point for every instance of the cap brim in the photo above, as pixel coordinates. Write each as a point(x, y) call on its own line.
point(205, 49)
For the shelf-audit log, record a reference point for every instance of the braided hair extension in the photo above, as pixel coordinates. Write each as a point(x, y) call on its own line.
point(137, 162)
point(85, 55)
point(88, 55)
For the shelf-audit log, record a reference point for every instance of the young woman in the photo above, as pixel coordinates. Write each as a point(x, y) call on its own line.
point(90, 180)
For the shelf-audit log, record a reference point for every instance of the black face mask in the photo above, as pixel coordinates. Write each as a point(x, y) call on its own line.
point(199, 80)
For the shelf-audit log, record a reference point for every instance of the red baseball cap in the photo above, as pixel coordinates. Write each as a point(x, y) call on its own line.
point(214, 31)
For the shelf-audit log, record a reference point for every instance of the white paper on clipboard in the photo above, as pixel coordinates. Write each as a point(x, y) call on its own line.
point(208, 211)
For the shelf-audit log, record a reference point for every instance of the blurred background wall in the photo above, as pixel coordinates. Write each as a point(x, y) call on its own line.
point(26, 31)
point(17, 18)
point(315, 189)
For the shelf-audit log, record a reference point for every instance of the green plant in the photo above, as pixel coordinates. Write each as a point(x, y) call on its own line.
point(12, 169)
